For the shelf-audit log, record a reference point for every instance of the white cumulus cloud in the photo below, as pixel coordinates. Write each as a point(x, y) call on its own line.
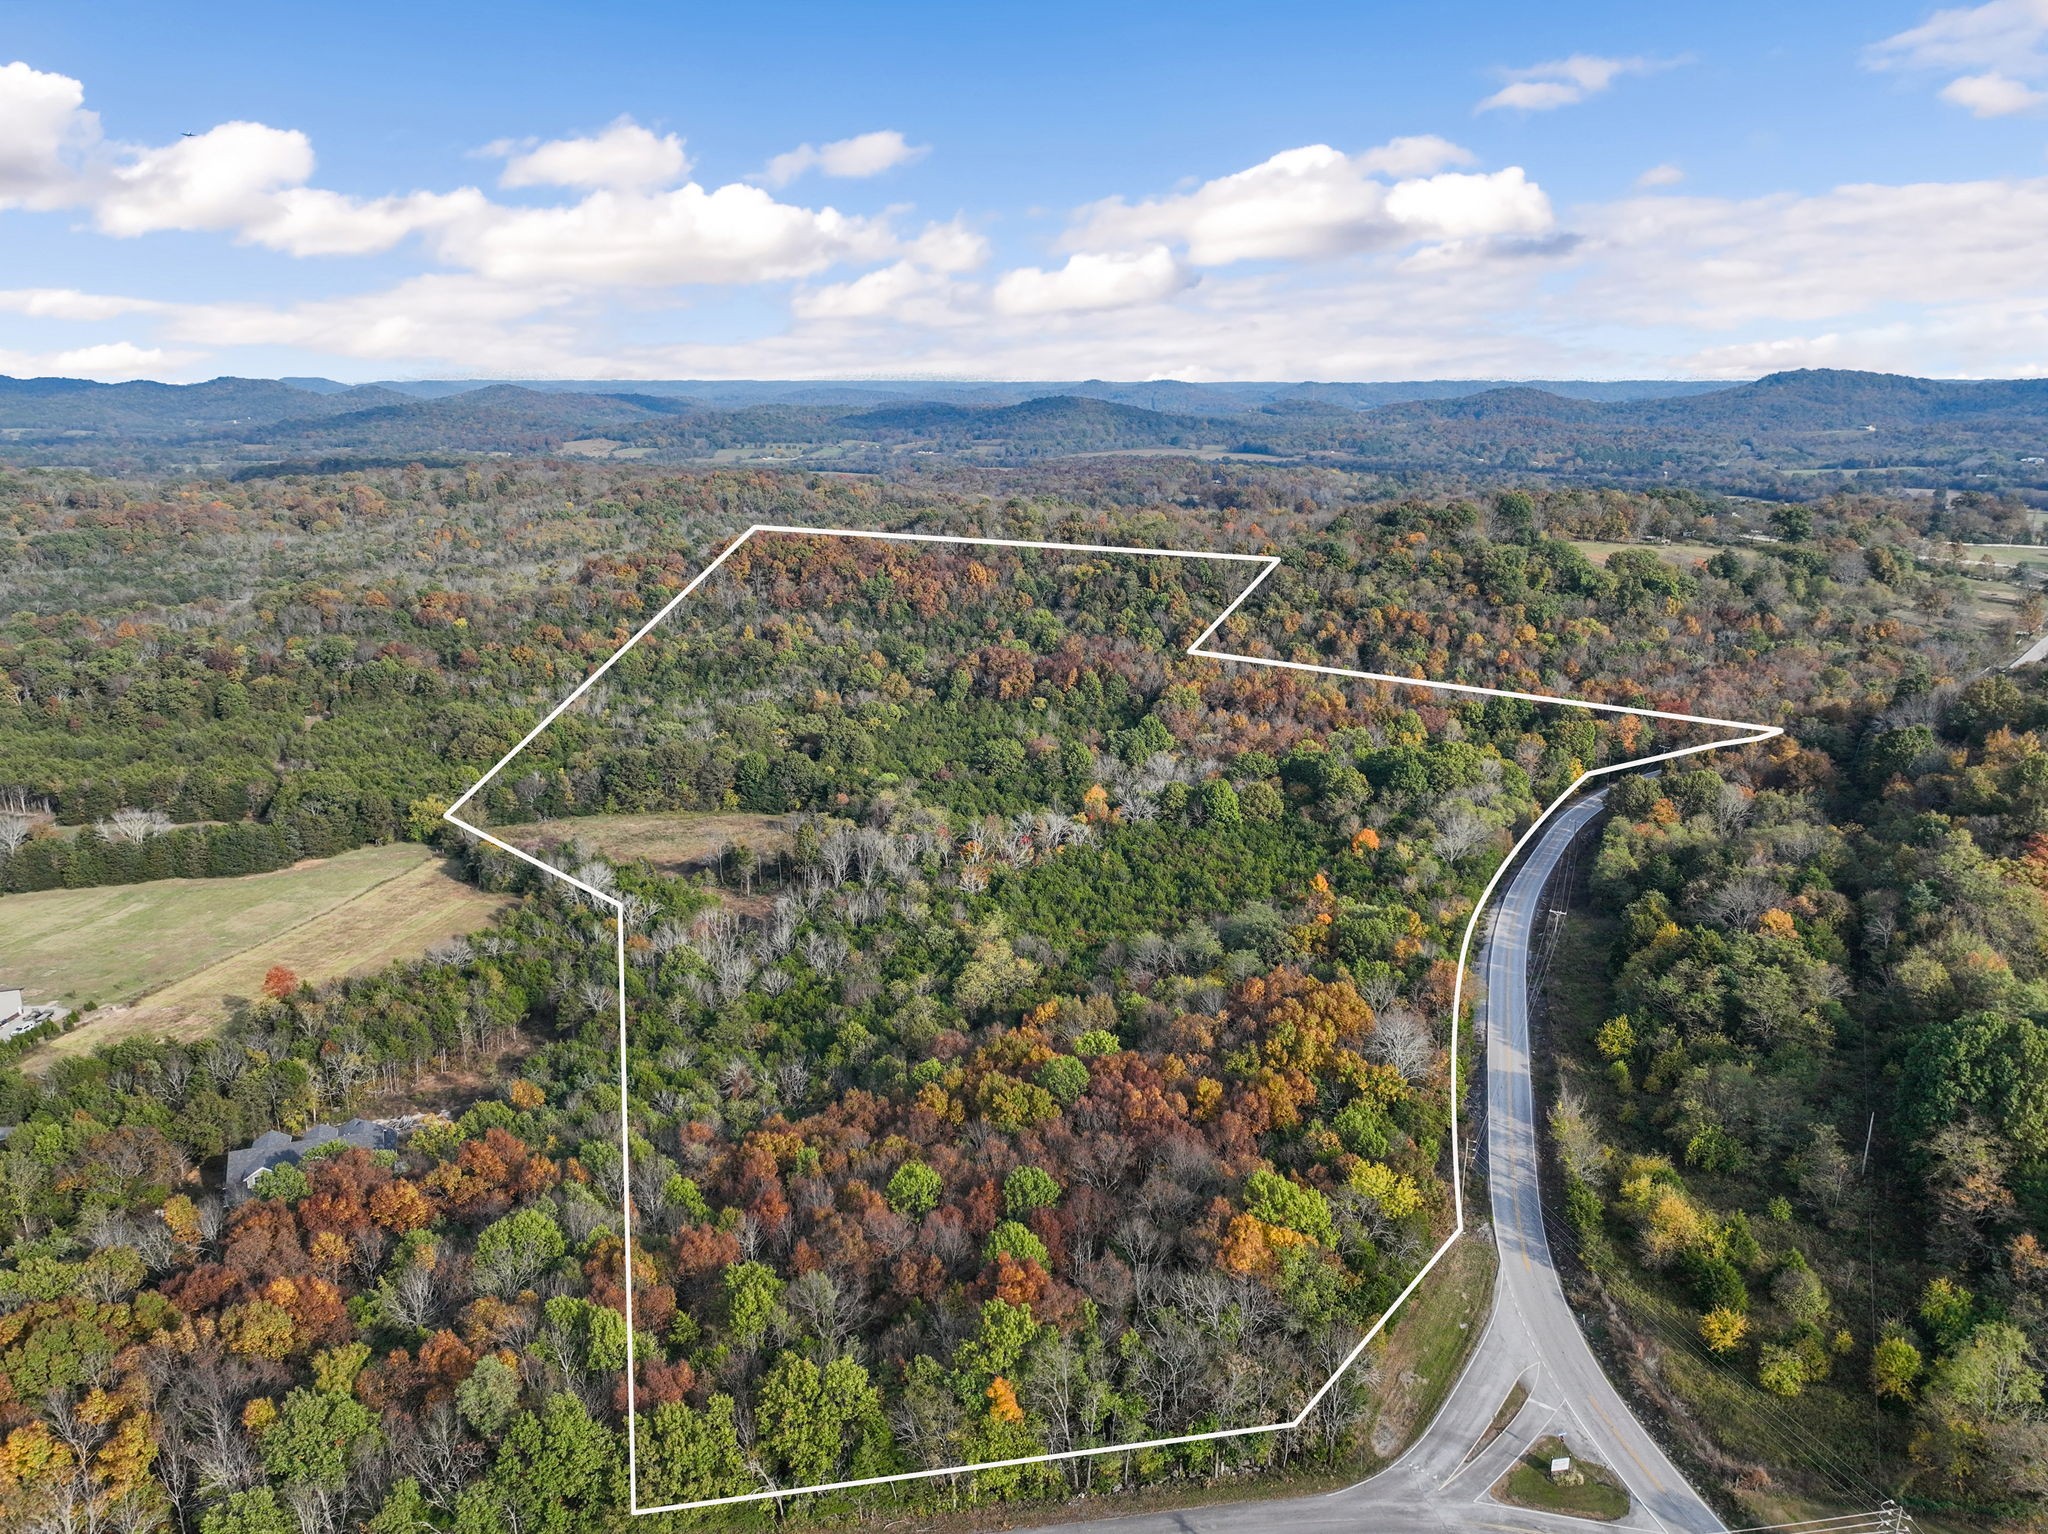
point(441, 319)
point(1317, 201)
point(1093, 280)
point(624, 157)
point(1992, 95)
point(901, 291)
point(734, 234)
point(108, 361)
point(70, 304)
point(310, 221)
point(219, 179)
point(44, 126)
point(865, 154)
point(1563, 82)
point(2001, 45)
point(1418, 154)
point(2004, 34)
point(922, 288)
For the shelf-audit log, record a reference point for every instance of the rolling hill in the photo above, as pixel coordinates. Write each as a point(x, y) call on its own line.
point(1737, 436)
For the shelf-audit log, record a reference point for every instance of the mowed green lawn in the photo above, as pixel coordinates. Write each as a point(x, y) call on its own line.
point(175, 954)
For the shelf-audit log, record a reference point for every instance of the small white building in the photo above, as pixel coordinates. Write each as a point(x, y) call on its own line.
point(17, 1018)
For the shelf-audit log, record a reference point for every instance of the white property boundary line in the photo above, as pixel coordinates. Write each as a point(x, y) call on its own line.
point(1269, 563)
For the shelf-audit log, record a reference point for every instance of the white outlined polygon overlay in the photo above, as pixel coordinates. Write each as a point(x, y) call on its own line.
point(1749, 734)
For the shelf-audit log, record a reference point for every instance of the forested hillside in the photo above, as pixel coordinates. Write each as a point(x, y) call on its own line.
point(1077, 1073)
point(1787, 436)
point(1811, 1112)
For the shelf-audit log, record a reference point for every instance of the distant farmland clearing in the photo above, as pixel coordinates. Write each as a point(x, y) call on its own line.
point(1680, 554)
point(175, 954)
point(671, 842)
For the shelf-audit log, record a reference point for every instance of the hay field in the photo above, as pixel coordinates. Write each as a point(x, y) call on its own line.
point(171, 958)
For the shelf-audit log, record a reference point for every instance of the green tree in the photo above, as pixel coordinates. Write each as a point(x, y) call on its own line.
point(993, 975)
point(248, 1512)
point(914, 1190)
point(478, 1510)
point(691, 1455)
point(1948, 1309)
point(335, 1369)
point(1006, 1331)
point(1017, 1240)
point(514, 1251)
point(489, 1396)
point(753, 1294)
point(1894, 1367)
point(1279, 1201)
point(595, 1335)
point(316, 1437)
point(1739, 1242)
point(814, 1420)
point(1781, 1370)
point(404, 1511)
point(1259, 801)
point(1801, 1293)
point(558, 1472)
point(1064, 1077)
point(1981, 1062)
point(283, 1181)
point(1028, 1188)
point(1987, 1378)
point(1793, 523)
point(1220, 806)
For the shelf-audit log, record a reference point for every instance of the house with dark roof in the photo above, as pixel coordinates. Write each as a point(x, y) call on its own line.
point(276, 1148)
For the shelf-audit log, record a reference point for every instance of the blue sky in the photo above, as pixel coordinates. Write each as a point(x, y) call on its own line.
point(1292, 191)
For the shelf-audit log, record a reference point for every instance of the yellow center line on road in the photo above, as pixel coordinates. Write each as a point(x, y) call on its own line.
point(1656, 1481)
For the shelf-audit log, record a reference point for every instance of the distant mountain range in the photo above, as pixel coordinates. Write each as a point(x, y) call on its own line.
point(1771, 433)
point(1159, 394)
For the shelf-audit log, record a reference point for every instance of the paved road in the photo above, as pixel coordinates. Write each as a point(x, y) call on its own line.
point(1533, 1332)
point(1531, 1337)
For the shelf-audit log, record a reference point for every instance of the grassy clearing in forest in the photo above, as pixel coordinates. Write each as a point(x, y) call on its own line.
point(1680, 554)
point(171, 957)
point(671, 842)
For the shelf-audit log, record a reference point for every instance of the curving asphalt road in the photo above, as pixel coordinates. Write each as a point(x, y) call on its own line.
point(1532, 1338)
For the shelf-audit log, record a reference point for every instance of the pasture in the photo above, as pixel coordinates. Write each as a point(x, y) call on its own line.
point(171, 958)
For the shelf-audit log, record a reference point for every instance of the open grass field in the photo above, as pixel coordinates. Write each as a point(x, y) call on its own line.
point(1997, 553)
point(170, 958)
point(1680, 554)
point(671, 842)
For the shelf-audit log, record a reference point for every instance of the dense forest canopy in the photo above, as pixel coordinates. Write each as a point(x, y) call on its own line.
point(1077, 1072)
